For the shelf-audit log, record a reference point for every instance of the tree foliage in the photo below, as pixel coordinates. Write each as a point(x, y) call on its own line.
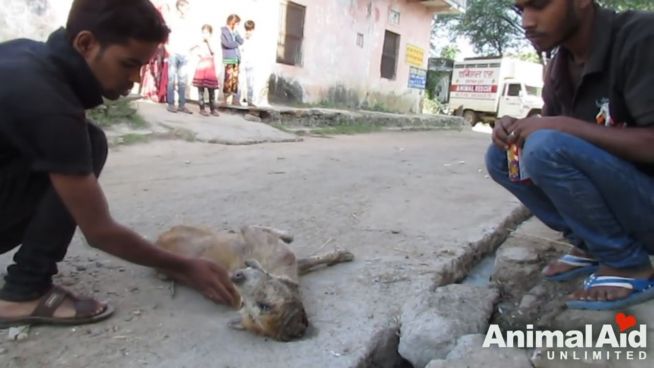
point(646, 5)
point(493, 28)
point(490, 26)
point(450, 51)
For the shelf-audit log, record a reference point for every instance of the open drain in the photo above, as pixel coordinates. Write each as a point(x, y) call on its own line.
point(384, 352)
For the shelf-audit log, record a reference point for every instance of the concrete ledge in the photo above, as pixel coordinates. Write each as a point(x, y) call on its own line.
point(320, 117)
point(476, 251)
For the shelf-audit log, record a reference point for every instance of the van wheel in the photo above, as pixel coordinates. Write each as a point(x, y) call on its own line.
point(470, 117)
point(534, 113)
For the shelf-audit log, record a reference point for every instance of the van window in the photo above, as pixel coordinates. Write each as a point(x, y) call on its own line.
point(514, 90)
point(533, 91)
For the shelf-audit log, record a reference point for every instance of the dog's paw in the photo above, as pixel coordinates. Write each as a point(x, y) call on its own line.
point(344, 255)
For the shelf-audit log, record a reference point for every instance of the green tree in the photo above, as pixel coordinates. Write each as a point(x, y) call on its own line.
point(450, 51)
point(493, 28)
point(646, 5)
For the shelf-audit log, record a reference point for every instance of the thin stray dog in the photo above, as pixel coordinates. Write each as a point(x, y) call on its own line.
point(264, 270)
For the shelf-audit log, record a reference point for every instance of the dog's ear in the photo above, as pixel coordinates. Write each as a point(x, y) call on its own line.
point(294, 322)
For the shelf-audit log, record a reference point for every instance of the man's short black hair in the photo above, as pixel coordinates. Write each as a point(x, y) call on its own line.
point(249, 25)
point(117, 21)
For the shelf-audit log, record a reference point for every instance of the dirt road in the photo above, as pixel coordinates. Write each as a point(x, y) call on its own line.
point(403, 203)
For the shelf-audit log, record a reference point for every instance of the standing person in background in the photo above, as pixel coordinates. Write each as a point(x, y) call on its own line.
point(231, 40)
point(205, 72)
point(154, 75)
point(178, 51)
point(248, 56)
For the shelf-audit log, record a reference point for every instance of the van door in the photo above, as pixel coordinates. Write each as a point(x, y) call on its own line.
point(511, 101)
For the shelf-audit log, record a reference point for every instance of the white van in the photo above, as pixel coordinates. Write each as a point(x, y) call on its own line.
point(484, 89)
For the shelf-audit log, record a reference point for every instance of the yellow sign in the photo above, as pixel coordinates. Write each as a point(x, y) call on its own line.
point(415, 55)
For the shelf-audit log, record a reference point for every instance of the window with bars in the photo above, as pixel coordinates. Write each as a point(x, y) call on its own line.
point(291, 33)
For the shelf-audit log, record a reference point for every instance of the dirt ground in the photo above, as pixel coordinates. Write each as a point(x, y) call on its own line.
point(403, 203)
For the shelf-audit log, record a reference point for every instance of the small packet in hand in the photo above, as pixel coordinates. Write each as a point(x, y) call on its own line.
point(516, 171)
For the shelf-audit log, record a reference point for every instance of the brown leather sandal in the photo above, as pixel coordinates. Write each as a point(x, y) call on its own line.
point(43, 314)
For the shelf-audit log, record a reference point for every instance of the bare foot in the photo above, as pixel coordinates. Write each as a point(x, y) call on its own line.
point(608, 293)
point(556, 267)
point(10, 310)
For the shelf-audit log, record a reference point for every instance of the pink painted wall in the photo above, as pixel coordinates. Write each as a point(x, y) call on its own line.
point(332, 58)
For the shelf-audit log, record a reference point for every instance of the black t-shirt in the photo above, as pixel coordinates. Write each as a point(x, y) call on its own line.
point(45, 89)
point(617, 83)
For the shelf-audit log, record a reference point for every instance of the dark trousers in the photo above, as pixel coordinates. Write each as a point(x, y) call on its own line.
point(211, 103)
point(33, 216)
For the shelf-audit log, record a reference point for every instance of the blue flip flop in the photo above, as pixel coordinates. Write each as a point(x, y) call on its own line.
point(583, 266)
point(642, 290)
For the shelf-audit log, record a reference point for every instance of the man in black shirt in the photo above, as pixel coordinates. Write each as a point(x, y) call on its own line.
point(50, 158)
point(590, 159)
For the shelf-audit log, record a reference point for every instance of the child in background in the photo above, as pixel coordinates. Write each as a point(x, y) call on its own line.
point(205, 72)
point(248, 56)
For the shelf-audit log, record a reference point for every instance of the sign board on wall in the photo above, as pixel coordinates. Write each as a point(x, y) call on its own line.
point(415, 55)
point(417, 78)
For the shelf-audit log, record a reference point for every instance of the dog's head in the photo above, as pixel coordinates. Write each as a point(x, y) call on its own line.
point(271, 305)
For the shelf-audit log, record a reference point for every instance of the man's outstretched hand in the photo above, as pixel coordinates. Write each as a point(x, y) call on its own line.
point(209, 278)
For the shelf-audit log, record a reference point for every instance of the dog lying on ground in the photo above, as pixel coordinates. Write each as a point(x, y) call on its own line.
point(264, 270)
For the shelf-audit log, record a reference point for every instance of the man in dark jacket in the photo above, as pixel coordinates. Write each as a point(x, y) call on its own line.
point(50, 158)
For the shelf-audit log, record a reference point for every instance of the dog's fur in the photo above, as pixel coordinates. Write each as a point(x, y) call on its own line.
point(263, 269)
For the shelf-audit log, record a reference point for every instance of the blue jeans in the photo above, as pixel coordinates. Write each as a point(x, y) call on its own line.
point(177, 72)
point(601, 203)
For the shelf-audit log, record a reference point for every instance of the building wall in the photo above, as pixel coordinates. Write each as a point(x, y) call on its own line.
point(34, 19)
point(337, 71)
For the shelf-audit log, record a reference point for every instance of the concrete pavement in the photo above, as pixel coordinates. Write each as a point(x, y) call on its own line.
point(406, 204)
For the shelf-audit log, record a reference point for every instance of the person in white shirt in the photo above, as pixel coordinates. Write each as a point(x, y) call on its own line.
point(178, 55)
point(248, 55)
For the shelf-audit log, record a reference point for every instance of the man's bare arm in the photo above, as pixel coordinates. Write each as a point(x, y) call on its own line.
point(86, 202)
point(88, 206)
